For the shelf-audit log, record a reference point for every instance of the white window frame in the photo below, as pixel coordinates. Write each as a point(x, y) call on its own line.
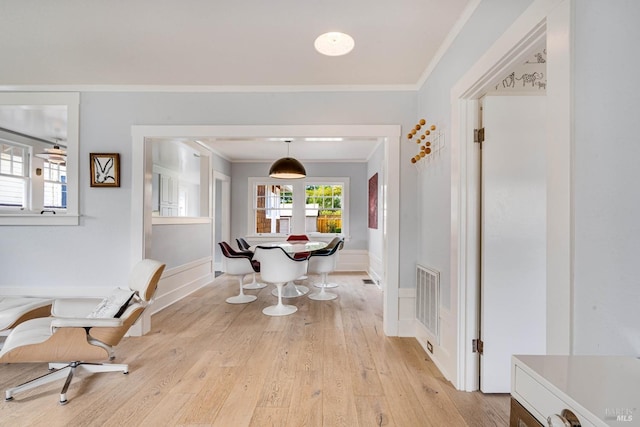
point(70, 216)
point(299, 209)
point(23, 177)
point(57, 184)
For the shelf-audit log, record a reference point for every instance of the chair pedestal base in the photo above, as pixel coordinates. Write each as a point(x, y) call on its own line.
point(322, 296)
point(241, 299)
point(291, 290)
point(68, 372)
point(325, 285)
point(254, 284)
point(279, 309)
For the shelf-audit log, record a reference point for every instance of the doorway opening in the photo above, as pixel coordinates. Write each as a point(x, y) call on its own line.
point(388, 134)
point(221, 189)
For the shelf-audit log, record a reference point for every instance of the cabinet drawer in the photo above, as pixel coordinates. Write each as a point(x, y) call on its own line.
point(520, 417)
point(538, 400)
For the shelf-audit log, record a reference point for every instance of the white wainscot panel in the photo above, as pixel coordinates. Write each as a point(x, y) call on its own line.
point(353, 260)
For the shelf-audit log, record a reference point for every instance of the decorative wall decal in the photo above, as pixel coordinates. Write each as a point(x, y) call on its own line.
point(539, 58)
point(509, 81)
point(532, 74)
point(530, 78)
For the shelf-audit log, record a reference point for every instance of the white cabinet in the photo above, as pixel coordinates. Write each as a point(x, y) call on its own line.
point(168, 195)
point(599, 390)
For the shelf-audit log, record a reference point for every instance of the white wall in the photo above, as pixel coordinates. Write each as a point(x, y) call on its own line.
point(606, 233)
point(179, 244)
point(357, 239)
point(489, 20)
point(376, 236)
point(606, 199)
point(95, 255)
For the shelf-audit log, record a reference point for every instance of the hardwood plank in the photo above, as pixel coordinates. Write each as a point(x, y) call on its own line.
point(269, 417)
point(203, 407)
point(307, 389)
point(405, 405)
point(209, 363)
point(242, 400)
point(168, 411)
point(429, 389)
point(338, 398)
point(373, 411)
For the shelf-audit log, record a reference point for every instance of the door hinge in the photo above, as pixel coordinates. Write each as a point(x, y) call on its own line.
point(478, 135)
point(477, 345)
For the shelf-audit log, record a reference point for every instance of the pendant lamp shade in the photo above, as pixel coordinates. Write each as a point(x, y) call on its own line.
point(54, 155)
point(287, 168)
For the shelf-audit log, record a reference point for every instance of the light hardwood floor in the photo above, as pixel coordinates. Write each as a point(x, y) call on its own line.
point(209, 363)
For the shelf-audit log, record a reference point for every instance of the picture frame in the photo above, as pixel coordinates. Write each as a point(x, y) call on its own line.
point(105, 169)
point(373, 201)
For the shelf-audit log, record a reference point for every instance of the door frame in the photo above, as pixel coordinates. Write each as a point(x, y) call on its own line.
point(550, 19)
point(389, 135)
point(225, 211)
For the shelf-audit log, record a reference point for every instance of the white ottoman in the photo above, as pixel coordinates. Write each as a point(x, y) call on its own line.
point(15, 310)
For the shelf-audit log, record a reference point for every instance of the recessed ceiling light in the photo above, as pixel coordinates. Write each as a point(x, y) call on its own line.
point(326, 139)
point(334, 43)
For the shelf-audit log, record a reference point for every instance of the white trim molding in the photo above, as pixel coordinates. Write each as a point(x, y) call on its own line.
point(390, 203)
point(544, 18)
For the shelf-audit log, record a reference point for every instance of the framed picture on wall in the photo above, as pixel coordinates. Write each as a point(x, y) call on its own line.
point(105, 169)
point(373, 201)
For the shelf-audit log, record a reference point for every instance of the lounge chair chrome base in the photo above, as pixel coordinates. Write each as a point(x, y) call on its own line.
point(67, 371)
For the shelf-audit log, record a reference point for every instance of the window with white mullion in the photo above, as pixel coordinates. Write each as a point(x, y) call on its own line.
point(313, 206)
point(13, 176)
point(325, 204)
point(272, 208)
point(55, 185)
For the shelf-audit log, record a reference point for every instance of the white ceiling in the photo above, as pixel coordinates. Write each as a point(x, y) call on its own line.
point(225, 45)
point(219, 43)
point(304, 149)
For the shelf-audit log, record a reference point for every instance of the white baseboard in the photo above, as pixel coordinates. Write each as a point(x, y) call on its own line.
point(437, 356)
point(353, 260)
point(376, 269)
point(408, 326)
point(175, 284)
point(406, 312)
point(181, 281)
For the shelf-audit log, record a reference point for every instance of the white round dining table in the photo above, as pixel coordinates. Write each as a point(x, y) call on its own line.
point(294, 247)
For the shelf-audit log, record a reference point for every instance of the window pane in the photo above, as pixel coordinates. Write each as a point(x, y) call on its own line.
point(12, 159)
point(323, 208)
point(273, 206)
point(12, 191)
point(13, 183)
point(55, 185)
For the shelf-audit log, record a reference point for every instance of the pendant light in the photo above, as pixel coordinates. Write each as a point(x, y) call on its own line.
point(287, 167)
point(54, 155)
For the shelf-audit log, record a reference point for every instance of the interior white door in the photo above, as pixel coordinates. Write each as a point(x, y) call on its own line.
point(513, 241)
